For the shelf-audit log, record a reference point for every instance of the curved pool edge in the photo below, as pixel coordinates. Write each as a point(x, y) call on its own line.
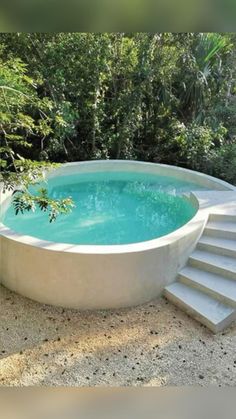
point(146, 167)
point(101, 277)
point(102, 249)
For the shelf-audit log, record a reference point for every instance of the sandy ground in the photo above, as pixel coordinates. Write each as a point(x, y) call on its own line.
point(155, 344)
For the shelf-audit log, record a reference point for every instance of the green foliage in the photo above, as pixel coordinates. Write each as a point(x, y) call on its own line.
point(78, 96)
point(195, 143)
point(17, 99)
point(25, 201)
point(221, 162)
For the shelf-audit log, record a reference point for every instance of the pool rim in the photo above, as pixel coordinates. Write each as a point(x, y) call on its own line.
point(169, 238)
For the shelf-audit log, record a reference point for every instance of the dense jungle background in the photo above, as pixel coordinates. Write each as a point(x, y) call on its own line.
point(160, 97)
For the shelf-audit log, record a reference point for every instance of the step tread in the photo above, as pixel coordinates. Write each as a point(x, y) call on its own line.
point(218, 284)
point(223, 262)
point(205, 306)
point(219, 242)
point(222, 226)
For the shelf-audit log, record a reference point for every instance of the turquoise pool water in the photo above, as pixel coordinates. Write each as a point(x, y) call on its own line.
point(111, 208)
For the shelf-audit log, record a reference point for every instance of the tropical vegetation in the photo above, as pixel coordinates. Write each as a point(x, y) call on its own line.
point(160, 97)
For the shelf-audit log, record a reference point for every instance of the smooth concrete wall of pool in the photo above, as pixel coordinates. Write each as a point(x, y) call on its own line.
point(103, 276)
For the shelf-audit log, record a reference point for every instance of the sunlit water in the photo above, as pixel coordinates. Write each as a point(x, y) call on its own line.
point(111, 208)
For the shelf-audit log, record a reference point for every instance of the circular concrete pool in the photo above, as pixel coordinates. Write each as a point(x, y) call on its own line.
point(110, 208)
point(133, 227)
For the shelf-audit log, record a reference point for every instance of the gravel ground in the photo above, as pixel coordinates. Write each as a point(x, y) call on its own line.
point(155, 344)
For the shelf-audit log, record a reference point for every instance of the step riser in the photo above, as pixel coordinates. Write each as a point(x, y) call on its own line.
point(212, 293)
point(205, 293)
point(211, 268)
point(214, 328)
point(216, 249)
point(220, 233)
point(222, 217)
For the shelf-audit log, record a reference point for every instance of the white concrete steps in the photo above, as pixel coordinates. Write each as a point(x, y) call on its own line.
point(225, 247)
point(209, 311)
point(216, 286)
point(206, 286)
point(210, 262)
point(224, 229)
